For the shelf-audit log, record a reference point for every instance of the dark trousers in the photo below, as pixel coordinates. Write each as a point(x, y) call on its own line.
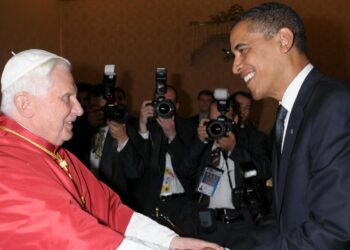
point(173, 214)
point(225, 231)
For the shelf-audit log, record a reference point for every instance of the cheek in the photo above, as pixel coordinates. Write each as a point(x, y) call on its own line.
point(59, 117)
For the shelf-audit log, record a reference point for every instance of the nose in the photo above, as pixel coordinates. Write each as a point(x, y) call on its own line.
point(77, 109)
point(236, 66)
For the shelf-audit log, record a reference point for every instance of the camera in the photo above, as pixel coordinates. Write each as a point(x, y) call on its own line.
point(217, 128)
point(112, 111)
point(163, 107)
point(251, 194)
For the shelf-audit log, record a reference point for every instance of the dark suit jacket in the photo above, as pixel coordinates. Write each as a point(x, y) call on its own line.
point(120, 170)
point(148, 188)
point(80, 143)
point(195, 119)
point(312, 184)
point(251, 147)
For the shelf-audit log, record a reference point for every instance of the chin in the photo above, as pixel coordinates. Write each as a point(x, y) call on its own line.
point(67, 137)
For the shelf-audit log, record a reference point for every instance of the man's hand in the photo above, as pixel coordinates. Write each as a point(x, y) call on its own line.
point(168, 126)
point(146, 111)
point(181, 243)
point(118, 131)
point(227, 142)
point(202, 130)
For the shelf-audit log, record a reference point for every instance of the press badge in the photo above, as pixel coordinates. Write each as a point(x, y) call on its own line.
point(209, 180)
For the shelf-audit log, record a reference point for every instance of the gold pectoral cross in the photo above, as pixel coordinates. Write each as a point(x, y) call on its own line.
point(64, 165)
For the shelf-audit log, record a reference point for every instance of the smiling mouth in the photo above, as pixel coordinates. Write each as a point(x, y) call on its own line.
point(70, 124)
point(248, 77)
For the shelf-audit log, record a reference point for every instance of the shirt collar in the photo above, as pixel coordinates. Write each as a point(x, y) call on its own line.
point(292, 91)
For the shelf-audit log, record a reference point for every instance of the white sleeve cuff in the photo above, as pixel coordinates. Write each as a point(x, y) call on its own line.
point(122, 146)
point(135, 244)
point(145, 135)
point(142, 228)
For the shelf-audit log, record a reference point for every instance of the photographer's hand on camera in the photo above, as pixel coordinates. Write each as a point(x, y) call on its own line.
point(146, 112)
point(117, 131)
point(168, 127)
point(228, 142)
point(202, 130)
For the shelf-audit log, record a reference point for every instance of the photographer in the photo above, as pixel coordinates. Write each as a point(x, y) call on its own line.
point(112, 155)
point(163, 189)
point(217, 163)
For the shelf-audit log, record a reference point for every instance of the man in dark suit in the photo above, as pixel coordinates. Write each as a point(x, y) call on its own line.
point(107, 146)
point(228, 159)
point(121, 162)
point(311, 159)
point(164, 189)
point(205, 98)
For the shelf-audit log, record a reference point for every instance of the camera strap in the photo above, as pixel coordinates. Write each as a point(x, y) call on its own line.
point(229, 177)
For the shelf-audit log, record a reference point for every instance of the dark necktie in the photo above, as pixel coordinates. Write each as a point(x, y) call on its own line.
point(99, 143)
point(215, 157)
point(279, 127)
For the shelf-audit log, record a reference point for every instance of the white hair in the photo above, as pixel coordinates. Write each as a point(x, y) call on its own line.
point(37, 82)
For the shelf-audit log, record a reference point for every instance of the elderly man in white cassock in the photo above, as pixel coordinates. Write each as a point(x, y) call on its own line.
point(48, 198)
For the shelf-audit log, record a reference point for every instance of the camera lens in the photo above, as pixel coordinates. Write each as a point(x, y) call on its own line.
point(216, 129)
point(116, 112)
point(165, 108)
point(119, 114)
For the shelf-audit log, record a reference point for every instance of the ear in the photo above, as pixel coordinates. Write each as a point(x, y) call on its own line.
point(286, 39)
point(23, 103)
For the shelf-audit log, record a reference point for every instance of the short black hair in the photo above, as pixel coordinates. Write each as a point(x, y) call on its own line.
point(84, 87)
point(242, 93)
point(269, 18)
point(97, 90)
point(205, 92)
point(120, 90)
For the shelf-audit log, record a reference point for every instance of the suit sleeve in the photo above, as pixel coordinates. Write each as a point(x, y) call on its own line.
point(185, 132)
point(252, 147)
point(130, 158)
point(193, 158)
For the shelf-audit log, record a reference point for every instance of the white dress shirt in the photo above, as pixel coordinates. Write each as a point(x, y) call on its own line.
point(291, 93)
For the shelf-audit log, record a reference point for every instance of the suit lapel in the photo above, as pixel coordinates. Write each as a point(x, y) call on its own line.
point(156, 134)
point(275, 175)
point(289, 142)
point(294, 123)
point(106, 158)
